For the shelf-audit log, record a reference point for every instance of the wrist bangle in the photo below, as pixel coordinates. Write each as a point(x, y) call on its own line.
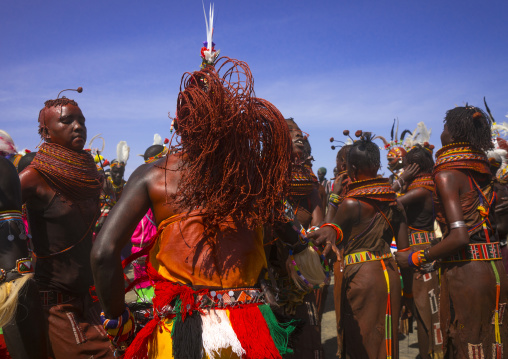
point(337, 229)
point(333, 205)
point(457, 224)
point(414, 260)
point(404, 250)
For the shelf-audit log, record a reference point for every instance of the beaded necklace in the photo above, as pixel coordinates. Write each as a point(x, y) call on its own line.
point(72, 173)
point(422, 180)
point(461, 155)
point(378, 189)
point(303, 180)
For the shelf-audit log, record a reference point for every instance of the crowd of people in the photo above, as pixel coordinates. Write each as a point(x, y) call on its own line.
point(233, 240)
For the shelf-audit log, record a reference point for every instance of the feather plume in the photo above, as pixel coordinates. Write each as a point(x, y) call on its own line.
point(393, 126)
point(210, 55)
point(420, 135)
point(7, 143)
point(403, 134)
point(501, 129)
point(157, 139)
point(122, 152)
point(396, 137)
point(488, 109)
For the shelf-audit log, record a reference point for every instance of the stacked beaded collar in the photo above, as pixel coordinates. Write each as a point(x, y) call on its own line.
point(377, 189)
point(461, 155)
point(423, 180)
point(303, 180)
point(72, 173)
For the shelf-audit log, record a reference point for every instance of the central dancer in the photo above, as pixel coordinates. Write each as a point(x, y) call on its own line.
point(210, 201)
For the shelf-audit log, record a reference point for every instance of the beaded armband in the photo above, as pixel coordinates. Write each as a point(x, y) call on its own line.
point(334, 198)
point(23, 266)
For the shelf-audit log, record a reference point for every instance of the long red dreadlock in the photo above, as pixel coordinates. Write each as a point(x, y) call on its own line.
point(237, 147)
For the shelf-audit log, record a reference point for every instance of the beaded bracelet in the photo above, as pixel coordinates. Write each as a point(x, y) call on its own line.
point(120, 330)
point(338, 230)
point(334, 198)
point(416, 259)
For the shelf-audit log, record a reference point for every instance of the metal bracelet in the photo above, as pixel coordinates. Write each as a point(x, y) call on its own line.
point(457, 224)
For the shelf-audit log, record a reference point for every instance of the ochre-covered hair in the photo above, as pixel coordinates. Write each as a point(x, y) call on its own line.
point(236, 147)
point(53, 103)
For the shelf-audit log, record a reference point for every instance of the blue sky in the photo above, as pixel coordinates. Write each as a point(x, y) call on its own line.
point(332, 65)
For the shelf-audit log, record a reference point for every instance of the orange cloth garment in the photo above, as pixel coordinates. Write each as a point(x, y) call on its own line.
point(234, 258)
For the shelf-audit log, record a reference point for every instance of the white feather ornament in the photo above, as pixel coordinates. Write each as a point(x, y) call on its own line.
point(122, 152)
point(7, 143)
point(157, 139)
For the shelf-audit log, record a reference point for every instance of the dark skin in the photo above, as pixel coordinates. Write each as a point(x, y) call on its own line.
point(346, 216)
point(298, 155)
point(64, 125)
point(450, 184)
point(117, 173)
point(418, 205)
point(25, 336)
point(353, 215)
point(146, 189)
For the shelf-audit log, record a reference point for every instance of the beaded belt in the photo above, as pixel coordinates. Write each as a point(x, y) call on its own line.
point(476, 252)
point(417, 238)
point(365, 256)
point(220, 299)
point(53, 297)
point(230, 297)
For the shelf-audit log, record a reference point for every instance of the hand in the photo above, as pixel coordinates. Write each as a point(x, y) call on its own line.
point(337, 183)
point(401, 258)
point(410, 172)
point(325, 236)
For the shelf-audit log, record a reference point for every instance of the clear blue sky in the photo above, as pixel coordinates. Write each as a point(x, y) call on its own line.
point(332, 65)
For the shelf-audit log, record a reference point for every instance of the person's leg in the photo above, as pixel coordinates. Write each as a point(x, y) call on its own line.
point(26, 337)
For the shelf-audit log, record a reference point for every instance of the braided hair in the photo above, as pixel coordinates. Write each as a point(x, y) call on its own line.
point(364, 154)
point(236, 147)
point(470, 124)
point(422, 157)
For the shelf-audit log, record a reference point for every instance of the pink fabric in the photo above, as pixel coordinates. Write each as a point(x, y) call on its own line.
point(145, 230)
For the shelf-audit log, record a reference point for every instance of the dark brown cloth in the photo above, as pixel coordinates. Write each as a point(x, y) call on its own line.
point(74, 330)
point(468, 299)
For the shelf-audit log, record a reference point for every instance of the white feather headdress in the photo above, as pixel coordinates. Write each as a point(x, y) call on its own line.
point(122, 152)
point(7, 145)
point(157, 139)
point(208, 52)
point(420, 135)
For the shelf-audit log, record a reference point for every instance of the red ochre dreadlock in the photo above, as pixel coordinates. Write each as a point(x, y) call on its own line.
point(236, 147)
